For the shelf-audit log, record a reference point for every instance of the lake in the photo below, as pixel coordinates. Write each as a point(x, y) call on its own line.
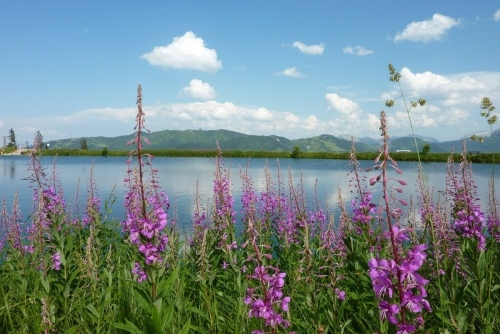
point(179, 178)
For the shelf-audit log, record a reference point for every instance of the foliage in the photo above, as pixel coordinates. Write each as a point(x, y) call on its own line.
point(426, 148)
point(83, 144)
point(296, 152)
point(404, 156)
point(12, 139)
point(384, 267)
point(104, 151)
point(38, 144)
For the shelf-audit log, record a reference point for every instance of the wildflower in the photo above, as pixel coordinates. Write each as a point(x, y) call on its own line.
point(467, 214)
point(284, 304)
point(405, 329)
point(56, 261)
point(93, 207)
point(362, 210)
point(146, 205)
point(397, 277)
point(388, 311)
point(340, 294)
point(139, 272)
point(262, 306)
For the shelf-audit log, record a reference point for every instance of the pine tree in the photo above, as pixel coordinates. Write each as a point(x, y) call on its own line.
point(38, 141)
point(12, 139)
point(83, 144)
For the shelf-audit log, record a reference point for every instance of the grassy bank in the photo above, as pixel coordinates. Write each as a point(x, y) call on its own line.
point(400, 156)
point(386, 266)
point(286, 267)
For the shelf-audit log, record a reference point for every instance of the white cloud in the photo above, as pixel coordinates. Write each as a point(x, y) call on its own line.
point(427, 31)
point(291, 72)
point(352, 119)
point(199, 90)
point(185, 52)
point(207, 115)
point(496, 16)
point(342, 104)
point(316, 49)
point(452, 100)
point(262, 114)
point(357, 50)
point(458, 89)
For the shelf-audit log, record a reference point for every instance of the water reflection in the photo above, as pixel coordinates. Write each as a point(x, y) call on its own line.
point(183, 178)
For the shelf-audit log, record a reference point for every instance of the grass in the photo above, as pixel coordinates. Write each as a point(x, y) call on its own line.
point(430, 266)
point(401, 156)
point(203, 282)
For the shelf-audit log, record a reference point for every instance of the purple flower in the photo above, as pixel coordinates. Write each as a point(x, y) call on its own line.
point(340, 294)
point(270, 302)
point(415, 303)
point(56, 261)
point(139, 272)
point(388, 311)
point(150, 253)
point(284, 304)
point(406, 328)
point(362, 211)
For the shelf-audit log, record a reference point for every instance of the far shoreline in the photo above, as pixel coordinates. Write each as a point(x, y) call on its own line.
point(475, 157)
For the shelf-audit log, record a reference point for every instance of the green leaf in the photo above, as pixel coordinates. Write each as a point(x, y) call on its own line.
point(200, 313)
point(128, 326)
point(45, 282)
point(496, 287)
point(186, 328)
point(68, 287)
point(142, 300)
point(93, 311)
point(72, 330)
point(158, 304)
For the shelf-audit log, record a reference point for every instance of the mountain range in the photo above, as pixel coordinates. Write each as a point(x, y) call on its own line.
point(231, 140)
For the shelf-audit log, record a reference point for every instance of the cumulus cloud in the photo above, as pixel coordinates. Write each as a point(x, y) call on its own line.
point(199, 90)
point(427, 31)
point(262, 114)
point(351, 119)
point(207, 115)
point(185, 52)
point(316, 49)
point(291, 72)
point(496, 16)
point(451, 99)
point(458, 89)
point(357, 50)
point(452, 105)
point(342, 104)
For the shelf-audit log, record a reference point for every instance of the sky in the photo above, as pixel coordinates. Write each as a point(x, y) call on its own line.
point(297, 69)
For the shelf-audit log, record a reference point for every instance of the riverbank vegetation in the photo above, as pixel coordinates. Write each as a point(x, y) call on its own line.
point(385, 266)
point(400, 156)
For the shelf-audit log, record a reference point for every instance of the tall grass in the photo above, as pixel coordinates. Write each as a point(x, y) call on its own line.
point(386, 266)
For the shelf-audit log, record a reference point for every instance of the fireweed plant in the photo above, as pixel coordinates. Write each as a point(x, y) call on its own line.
point(154, 266)
point(397, 283)
point(280, 264)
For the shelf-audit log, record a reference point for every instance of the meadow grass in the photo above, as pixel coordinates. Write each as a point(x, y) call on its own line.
point(400, 156)
point(386, 266)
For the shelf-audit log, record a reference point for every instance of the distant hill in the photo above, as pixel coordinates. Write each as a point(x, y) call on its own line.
point(231, 140)
point(185, 140)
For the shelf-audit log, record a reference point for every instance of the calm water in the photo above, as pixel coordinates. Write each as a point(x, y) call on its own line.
point(179, 176)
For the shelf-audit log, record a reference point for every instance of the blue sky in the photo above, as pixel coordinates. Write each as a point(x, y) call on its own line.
point(292, 68)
